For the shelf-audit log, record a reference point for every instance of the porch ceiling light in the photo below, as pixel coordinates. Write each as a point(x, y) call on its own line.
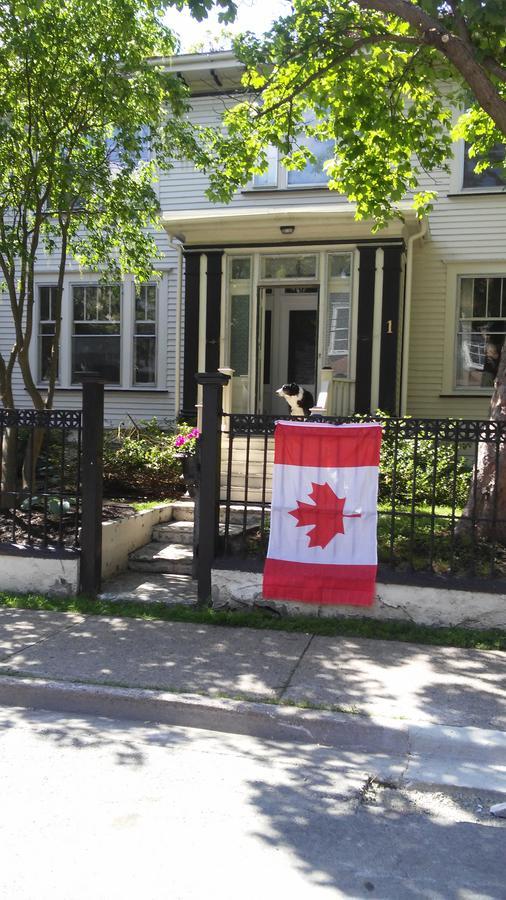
point(287, 229)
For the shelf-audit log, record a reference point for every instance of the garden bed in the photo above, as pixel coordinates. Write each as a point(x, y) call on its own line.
point(38, 530)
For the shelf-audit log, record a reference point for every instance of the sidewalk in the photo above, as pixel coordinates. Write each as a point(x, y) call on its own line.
point(401, 697)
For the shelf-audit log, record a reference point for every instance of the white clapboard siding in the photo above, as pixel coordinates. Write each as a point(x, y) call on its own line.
point(119, 403)
point(468, 229)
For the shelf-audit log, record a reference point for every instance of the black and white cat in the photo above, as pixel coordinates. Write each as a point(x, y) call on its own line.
point(299, 400)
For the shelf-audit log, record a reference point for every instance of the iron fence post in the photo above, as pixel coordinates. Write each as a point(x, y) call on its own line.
point(92, 484)
point(207, 519)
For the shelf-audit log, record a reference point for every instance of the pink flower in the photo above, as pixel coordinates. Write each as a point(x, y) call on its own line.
point(180, 440)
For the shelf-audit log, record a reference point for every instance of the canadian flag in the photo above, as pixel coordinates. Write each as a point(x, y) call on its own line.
point(323, 543)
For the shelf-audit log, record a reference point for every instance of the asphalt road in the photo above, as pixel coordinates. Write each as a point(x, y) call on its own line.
point(94, 808)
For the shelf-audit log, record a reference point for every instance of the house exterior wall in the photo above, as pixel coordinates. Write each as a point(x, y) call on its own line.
point(466, 234)
point(124, 402)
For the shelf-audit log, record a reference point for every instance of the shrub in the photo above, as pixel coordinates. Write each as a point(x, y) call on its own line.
point(439, 477)
point(142, 461)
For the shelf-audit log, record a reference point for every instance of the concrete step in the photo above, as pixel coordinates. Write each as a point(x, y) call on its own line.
point(173, 559)
point(178, 532)
point(183, 511)
point(182, 532)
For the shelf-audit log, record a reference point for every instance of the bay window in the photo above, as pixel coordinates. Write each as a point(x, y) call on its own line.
point(110, 329)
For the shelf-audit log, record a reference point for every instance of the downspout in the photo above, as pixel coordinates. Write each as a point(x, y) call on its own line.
point(177, 243)
point(407, 311)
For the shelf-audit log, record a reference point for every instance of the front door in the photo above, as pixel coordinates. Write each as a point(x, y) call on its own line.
point(291, 339)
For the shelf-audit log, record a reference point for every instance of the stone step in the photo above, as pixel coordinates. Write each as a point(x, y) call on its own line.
point(178, 532)
point(183, 511)
point(176, 559)
point(182, 532)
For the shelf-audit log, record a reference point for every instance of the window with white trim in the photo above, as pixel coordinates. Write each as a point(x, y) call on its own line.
point(47, 325)
point(312, 175)
point(111, 329)
point(481, 329)
point(493, 177)
point(145, 334)
point(240, 272)
point(337, 350)
point(96, 332)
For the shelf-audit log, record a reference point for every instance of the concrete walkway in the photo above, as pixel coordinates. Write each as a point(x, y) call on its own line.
point(398, 685)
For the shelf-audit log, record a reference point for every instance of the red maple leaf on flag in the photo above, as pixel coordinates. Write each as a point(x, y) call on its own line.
point(325, 513)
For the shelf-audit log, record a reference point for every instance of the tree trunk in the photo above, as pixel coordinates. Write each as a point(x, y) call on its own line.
point(486, 505)
point(8, 470)
point(32, 453)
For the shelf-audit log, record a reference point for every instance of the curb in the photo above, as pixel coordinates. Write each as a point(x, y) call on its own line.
point(433, 754)
point(255, 719)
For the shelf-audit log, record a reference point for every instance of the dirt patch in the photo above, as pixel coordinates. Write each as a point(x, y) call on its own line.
point(39, 528)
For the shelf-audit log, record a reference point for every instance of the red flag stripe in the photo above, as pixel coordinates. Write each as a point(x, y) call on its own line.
point(323, 585)
point(343, 447)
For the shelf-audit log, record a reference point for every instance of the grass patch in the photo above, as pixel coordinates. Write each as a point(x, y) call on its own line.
point(140, 505)
point(469, 638)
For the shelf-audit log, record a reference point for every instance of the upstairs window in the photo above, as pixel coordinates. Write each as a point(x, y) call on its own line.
point(312, 175)
point(493, 177)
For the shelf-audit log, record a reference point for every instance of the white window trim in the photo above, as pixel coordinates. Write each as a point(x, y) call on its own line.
point(454, 272)
point(148, 385)
point(457, 176)
point(127, 331)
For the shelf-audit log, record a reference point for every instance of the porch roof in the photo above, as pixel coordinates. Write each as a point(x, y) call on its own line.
point(239, 225)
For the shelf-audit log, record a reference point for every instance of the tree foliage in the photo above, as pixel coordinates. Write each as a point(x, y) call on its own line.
point(88, 113)
point(380, 78)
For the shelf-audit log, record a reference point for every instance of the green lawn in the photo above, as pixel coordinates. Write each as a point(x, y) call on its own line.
point(470, 638)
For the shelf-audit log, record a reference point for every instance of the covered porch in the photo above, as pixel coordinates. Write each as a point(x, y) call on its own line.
point(303, 294)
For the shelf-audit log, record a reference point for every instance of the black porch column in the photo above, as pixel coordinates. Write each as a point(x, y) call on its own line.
point(213, 310)
point(191, 335)
point(367, 269)
point(390, 329)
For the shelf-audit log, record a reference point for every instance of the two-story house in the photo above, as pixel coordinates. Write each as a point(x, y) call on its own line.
point(284, 285)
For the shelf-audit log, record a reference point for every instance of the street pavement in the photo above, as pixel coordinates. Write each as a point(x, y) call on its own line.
point(442, 711)
point(107, 809)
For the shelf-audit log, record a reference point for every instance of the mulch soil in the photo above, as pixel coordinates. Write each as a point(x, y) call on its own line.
point(37, 530)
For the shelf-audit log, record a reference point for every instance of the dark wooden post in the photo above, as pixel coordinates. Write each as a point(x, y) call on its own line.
point(92, 484)
point(208, 517)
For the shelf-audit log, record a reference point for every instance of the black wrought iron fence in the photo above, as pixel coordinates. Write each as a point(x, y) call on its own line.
point(40, 479)
point(434, 515)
